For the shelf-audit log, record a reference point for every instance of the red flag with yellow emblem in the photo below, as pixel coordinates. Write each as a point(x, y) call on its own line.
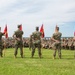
point(6, 31)
point(42, 31)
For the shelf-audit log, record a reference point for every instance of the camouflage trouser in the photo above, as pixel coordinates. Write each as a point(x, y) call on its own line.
point(74, 52)
point(1, 49)
point(16, 49)
point(57, 47)
point(74, 47)
point(34, 46)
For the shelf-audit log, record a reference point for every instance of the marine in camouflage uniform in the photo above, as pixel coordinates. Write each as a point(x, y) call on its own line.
point(30, 42)
point(36, 42)
point(1, 43)
point(74, 45)
point(57, 42)
point(18, 41)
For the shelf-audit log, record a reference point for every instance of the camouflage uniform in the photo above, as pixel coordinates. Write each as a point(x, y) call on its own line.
point(74, 45)
point(30, 42)
point(1, 43)
point(36, 42)
point(18, 42)
point(57, 45)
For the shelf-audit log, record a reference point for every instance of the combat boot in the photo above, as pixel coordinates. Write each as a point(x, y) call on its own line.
point(59, 57)
point(14, 56)
point(39, 56)
point(21, 56)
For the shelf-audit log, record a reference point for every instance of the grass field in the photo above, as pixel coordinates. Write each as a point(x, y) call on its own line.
point(36, 66)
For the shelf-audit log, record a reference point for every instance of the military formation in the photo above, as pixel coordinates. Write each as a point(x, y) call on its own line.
point(35, 41)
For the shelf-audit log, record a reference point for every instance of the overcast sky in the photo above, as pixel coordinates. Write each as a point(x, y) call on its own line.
point(32, 13)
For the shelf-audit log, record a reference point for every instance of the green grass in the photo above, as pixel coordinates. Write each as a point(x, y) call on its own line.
point(36, 66)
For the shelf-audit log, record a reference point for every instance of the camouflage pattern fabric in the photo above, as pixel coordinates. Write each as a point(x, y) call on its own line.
point(36, 42)
point(57, 45)
point(1, 43)
point(18, 42)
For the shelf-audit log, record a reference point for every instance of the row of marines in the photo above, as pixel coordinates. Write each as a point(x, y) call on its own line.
point(34, 42)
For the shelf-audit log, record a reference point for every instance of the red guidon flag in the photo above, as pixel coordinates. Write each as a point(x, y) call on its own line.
point(74, 33)
point(6, 31)
point(21, 27)
point(42, 31)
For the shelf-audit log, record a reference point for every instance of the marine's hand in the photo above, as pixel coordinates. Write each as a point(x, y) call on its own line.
point(18, 39)
point(57, 41)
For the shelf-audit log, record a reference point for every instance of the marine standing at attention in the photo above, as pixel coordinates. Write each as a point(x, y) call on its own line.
point(36, 42)
point(1, 43)
point(56, 37)
point(18, 41)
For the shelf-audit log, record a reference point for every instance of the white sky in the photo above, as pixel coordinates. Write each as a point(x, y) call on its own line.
point(32, 13)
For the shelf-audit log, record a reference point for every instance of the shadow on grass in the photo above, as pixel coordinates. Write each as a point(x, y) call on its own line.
point(69, 58)
point(36, 57)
